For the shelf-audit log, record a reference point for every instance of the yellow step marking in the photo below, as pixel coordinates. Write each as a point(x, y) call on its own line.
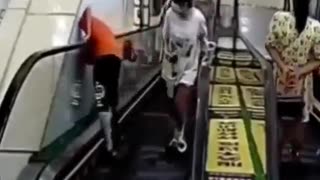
point(225, 74)
point(224, 96)
point(228, 150)
point(249, 76)
point(254, 98)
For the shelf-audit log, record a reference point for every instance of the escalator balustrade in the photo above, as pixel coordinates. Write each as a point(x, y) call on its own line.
point(236, 112)
point(147, 133)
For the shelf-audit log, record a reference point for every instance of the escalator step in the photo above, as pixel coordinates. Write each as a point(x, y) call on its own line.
point(159, 171)
point(159, 175)
point(151, 164)
point(102, 174)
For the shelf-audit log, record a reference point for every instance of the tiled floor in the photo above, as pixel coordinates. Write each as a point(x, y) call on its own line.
point(255, 25)
point(54, 6)
point(13, 4)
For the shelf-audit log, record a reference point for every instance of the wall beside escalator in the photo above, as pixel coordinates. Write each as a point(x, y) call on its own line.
point(4, 4)
point(260, 3)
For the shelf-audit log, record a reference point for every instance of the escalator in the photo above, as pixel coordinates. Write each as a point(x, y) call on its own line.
point(236, 121)
point(77, 143)
point(147, 130)
point(236, 140)
point(148, 133)
point(146, 125)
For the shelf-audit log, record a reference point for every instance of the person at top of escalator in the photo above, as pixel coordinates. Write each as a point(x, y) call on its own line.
point(106, 54)
point(185, 35)
point(293, 42)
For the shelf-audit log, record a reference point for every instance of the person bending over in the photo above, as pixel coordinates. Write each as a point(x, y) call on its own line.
point(294, 44)
point(106, 54)
point(185, 35)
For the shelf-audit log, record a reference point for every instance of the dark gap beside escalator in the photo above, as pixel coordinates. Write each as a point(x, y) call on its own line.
point(300, 143)
point(306, 168)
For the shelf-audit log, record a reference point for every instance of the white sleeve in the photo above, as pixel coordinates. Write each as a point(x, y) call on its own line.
point(165, 30)
point(203, 31)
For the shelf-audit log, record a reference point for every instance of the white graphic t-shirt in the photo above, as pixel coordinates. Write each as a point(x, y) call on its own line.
point(183, 38)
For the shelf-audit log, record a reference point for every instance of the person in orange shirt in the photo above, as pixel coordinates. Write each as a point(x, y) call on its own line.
point(106, 54)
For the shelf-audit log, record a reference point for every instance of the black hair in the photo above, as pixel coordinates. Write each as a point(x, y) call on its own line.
point(179, 2)
point(301, 13)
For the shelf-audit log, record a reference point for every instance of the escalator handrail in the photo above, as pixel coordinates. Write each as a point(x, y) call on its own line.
point(317, 14)
point(271, 112)
point(198, 169)
point(27, 66)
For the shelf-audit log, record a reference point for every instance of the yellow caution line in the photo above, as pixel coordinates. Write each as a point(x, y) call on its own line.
point(259, 135)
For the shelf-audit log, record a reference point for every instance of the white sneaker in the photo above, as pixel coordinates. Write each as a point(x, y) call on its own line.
point(105, 119)
point(178, 141)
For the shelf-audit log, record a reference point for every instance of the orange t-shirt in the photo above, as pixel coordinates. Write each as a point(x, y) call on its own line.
point(102, 41)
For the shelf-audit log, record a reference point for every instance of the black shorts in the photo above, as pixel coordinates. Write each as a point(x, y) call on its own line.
point(106, 73)
point(290, 110)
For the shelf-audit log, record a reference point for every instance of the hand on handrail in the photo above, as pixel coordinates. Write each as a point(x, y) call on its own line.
point(209, 53)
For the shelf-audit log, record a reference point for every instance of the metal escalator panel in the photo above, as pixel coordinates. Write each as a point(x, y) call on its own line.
point(58, 152)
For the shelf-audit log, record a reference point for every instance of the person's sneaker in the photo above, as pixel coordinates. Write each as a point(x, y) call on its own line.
point(105, 119)
point(75, 93)
point(178, 141)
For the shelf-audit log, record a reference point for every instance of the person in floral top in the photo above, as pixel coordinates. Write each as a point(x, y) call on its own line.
point(294, 44)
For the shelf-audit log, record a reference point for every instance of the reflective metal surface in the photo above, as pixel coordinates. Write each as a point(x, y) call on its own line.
point(31, 171)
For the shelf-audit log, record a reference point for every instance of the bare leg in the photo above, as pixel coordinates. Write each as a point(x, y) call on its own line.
point(183, 105)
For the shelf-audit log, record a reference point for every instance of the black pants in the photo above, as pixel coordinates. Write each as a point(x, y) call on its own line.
point(106, 78)
point(106, 73)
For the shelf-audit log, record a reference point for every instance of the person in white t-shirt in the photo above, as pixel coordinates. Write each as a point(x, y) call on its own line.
point(185, 37)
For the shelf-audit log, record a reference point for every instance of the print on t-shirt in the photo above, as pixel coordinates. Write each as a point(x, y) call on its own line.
point(181, 46)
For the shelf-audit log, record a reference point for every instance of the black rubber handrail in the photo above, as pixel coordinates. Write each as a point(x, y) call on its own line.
point(201, 122)
point(26, 67)
point(317, 14)
point(287, 5)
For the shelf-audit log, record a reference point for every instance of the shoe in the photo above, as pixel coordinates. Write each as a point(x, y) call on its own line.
point(105, 119)
point(178, 141)
point(75, 93)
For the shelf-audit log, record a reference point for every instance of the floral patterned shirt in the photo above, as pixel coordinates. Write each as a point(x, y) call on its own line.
point(295, 49)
